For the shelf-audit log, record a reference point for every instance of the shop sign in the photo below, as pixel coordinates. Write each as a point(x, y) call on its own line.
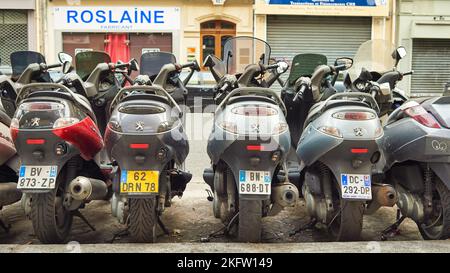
point(113, 19)
point(351, 3)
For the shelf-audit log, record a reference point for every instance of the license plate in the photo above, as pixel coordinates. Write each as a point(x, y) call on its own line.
point(254, 182)
point(139, 181)
point(356, 186)
point(37, 177)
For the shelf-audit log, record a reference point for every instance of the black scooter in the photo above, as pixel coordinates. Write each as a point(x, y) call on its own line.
point(146, 139)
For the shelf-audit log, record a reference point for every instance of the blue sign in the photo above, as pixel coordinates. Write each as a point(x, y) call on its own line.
point(350, 3)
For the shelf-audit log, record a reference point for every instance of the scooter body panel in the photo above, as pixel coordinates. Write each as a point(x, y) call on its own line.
point(315, 144)
point(36, 140)
point(7, 149)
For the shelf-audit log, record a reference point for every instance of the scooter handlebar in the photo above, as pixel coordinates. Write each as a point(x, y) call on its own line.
point(300, 93)
point(53, 65)
point(408, 73)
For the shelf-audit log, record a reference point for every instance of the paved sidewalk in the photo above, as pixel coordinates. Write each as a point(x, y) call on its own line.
point(348, 247)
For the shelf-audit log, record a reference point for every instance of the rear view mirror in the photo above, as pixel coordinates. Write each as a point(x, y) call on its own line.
point(64, 57)
point(134, 65)
point(399, 54)
point(67, 67)
point(344, 62)
point(385, 88)
point(209, 62)
point(282, 67)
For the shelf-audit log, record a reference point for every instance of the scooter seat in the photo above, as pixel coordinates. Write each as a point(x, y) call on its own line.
point(250, 98)
point(146, 97)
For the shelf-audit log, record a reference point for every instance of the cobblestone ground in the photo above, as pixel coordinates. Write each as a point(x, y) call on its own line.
point(191, 218)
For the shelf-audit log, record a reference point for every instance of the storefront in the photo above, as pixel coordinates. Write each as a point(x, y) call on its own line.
point(334, 28)
point(17, 29)
point(189, 29)
point(424, 29)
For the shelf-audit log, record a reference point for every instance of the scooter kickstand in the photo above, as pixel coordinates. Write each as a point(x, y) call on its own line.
point(309, 225)
point(393, 230)
point(81, 216)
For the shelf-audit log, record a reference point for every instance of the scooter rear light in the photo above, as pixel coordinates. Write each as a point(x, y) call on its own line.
point(332, 131)
point(421, 115)
point(255, 148)
point(254, 110)
point(63, 122)
point(229, 126)
point(354, 115)
point(359, 151)
point(139, 146)
point(35, 141)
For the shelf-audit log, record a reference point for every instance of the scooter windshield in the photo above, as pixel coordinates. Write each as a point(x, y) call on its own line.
point(303, 65)
point(21, 59)
point(374, 56)
point(239, 52)
point(152, 62)
point(87, 61)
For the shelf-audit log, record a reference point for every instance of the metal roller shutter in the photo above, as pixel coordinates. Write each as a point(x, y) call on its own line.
point(431, 65)
point(332, 36)
point(13, 33)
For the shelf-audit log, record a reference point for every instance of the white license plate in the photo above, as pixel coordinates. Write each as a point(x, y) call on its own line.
point(356, 186)
point(37, 177)
point(254, 182)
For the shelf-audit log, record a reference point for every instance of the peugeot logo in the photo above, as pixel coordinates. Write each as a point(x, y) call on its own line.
point(255, 128)
point(439, 146)
point(139, 126)
point(358, 131)
point(35, 122)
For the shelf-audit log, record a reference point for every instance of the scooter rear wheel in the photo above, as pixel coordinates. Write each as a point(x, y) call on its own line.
point(347, 225)
point(438, 227)
point(51, 221)
point(250, 215)
point(143, 219)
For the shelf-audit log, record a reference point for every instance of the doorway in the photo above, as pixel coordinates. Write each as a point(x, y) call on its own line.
point(213, 35)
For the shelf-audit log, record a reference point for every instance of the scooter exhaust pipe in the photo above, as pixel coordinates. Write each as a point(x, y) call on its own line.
point(283, 195)
point(9, 193)
point(383, 195)
point(87, 189)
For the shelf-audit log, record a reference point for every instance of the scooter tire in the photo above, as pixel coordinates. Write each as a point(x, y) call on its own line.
point(350, 222)
point(44, 218)
point(444, 233)
point(250, 218)
point(216, 205)
point(143, 219)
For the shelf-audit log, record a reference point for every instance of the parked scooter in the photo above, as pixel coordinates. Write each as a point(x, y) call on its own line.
point(26, 69)
point(417, 146)
point(338, 153)
point(249, 140)
point(58, 140)
point(146, 139)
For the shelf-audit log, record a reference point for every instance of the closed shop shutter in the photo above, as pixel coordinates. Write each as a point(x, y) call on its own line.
point(13, 33)
point(431, 65)
point(332, 36)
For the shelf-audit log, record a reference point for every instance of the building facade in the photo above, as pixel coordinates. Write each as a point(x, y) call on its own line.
point(191, 29)
point(423, 27)
point(19, 29)
point(333, 28)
